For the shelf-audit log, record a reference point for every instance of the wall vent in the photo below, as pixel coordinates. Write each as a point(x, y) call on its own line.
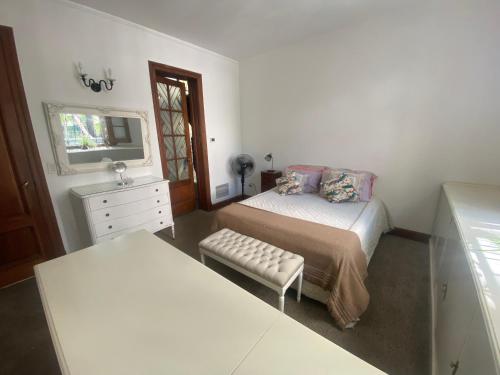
point(222, 191)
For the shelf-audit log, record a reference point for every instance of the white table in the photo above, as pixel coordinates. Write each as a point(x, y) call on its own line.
point(137, 305)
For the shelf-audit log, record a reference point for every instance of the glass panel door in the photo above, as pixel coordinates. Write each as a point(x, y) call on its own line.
point(175, 129)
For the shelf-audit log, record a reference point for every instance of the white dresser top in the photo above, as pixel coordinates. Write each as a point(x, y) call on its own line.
point(137, 305)
point(106, 187)
point(476, 209)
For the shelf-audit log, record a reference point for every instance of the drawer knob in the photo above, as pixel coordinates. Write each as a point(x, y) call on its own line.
point(159, 212)
point(156, 190)
point(105, 201)
point(444, 291)
point(157, 201)
point(110, 226)
point(454, 367)
point(161, 222)
point(107, 215)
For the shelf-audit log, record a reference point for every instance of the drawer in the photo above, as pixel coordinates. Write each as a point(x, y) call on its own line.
point(115, 225)
point(116, 198)
point(151, 226)
point(127, 209)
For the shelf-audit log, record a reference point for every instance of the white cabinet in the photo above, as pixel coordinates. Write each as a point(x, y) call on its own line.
point(455, 303)
point(108, 210)
point(460, 337)
point(476, 358)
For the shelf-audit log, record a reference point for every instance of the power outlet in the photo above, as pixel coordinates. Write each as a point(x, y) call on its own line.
point(252, 186)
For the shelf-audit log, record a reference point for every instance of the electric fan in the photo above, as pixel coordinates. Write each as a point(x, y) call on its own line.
point(243, 165)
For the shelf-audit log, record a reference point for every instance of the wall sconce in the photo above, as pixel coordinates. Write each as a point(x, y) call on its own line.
point(94, 85)
point(269, 157)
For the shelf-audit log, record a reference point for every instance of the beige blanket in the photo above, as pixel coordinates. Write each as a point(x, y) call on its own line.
point(333, 257)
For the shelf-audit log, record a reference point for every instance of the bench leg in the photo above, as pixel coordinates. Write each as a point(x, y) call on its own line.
point(282, 302)
point(202, 256)
point(299, 286)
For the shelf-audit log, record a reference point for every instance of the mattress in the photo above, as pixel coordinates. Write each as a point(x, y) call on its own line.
point(367, 219)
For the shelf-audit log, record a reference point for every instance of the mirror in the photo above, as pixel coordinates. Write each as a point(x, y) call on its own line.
point(94, 138)
point(89, 139)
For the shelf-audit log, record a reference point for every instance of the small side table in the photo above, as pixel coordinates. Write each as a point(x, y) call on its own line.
point(268, 179)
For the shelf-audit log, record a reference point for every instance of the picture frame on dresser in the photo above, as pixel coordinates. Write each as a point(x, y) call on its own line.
point(88, 138)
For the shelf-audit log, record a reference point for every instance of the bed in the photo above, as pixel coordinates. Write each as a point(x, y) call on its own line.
point(337, 242)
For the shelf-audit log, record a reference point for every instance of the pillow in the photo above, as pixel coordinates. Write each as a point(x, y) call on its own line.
point(366, 181)
point(313, 173)
point(342, 188)
point(292, 183)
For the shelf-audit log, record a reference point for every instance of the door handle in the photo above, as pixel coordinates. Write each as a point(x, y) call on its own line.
point(454, 367)
point(444, 291)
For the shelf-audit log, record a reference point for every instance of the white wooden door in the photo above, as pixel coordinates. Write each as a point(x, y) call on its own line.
point(456, 304)
point(476, 357)
point(440, 233)
point(450, 248)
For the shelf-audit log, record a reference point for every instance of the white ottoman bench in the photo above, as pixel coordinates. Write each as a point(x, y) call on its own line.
point(265, 263)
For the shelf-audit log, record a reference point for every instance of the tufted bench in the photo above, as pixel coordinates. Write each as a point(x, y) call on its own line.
point(265, 263)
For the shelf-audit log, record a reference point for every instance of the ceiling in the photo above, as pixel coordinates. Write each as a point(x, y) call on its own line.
point(240, 28)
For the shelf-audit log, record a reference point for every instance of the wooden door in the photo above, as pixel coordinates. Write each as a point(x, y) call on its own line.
point(175, 143)
point(28, 230)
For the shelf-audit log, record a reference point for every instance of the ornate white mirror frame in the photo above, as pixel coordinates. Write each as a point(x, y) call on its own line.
point(64, 167)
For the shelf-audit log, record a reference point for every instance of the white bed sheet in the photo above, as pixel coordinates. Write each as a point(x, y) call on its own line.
point(367, 219)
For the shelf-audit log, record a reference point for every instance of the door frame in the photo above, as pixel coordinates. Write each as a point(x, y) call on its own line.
point(200, 156)
point(51, 230)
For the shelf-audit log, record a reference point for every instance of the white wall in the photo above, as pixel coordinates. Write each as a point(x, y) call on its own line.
point(412, 95)
point(52, 35)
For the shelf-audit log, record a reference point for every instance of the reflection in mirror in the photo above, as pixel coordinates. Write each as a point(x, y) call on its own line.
point(93, 138)
point(90, 139)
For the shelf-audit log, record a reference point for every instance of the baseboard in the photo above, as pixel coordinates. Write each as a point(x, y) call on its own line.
point(411, 235)
point(227, 202)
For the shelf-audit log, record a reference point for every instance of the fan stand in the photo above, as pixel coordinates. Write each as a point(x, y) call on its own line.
point(243, 168)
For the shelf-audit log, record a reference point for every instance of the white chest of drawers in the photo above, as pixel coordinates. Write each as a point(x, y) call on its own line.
point(465, 279)
point(105, 211)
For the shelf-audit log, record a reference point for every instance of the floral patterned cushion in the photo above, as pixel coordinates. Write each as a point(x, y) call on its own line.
point(365, 181)
point(292, 183)
point(342, 188)
point(313, 173)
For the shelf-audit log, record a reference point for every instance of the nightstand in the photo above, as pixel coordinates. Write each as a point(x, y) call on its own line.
point(268, 179)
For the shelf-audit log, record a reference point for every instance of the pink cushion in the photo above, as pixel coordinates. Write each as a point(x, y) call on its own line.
point(314, 173)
